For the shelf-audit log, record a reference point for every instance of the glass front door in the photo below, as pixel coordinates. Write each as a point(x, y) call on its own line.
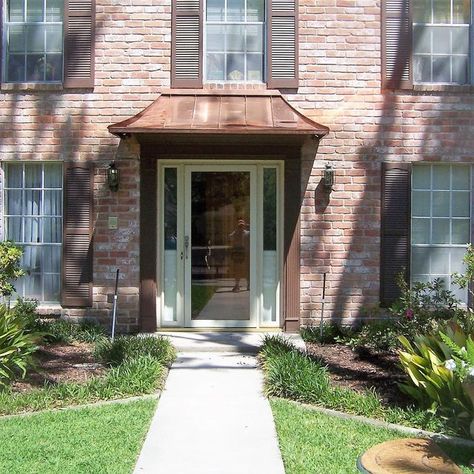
point(220, 243)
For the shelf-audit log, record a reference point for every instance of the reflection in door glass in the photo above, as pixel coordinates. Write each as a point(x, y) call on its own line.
point(270, 254)
point(220, 246)
point(170, 226)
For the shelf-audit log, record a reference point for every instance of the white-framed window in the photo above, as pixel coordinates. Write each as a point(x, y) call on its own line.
point(33, 40)
point(33, 217)
point(234, 40)
point(441, 222)
point(441, 41)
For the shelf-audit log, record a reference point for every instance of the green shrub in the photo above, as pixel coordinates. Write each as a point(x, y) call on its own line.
point(331, 333)
point(125, 348)
point(430, 382)
point(10, 256)
point(16, 346)
point(64, 331)
point(377, 336)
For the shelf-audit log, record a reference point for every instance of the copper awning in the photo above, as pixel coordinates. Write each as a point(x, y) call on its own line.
point(207, 111)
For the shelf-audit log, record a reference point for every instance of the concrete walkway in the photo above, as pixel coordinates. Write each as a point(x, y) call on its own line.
point(212, 419)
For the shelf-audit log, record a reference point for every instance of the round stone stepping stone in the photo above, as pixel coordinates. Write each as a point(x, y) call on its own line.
point(406, 456)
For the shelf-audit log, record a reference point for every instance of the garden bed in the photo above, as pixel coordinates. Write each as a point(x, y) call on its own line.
point(63, 362)
point(362, 370)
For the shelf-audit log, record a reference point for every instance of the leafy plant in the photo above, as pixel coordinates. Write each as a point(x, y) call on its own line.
point(467, 278)
point(378, 336)
point(10, 256)
point(125, 348)
point(16, 346)
point(331, 333)
point(64, 331)
point(430, 382)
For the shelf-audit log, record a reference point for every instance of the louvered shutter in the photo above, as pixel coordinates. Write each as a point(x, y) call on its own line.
point(395, 228)
point(77, 245)
point(396, 44)
point(187, 45)
point(282, 38)
point(79, 43)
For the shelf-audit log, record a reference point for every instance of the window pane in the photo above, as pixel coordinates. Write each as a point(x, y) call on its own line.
point(32, 230)
point(52, 258)
point(460, 69)
point(54, 10)
point(52, 203)
point(52, 230)
point(14, 175)
point(421, 204)
point(422, 68)
point(32, 176)
point(255, 67)
point(461, 207)
point(51, 287)
point(422, 39)
point(235, 10)
point(442, 40)
point(14, 202)
point(441, 203)
point(255, 10)
point(33, 287)
point(457, 264)
point(440, 231)
point(461, 177)
point(441, 69)
point(421, 259)
point(16, 68)
point(53, 176)
point(32, 204)
point(54, 39)
point(460, 40)
point(235, 39)
point(441, 11)
point(215, 67)
point(15, 229)
point(16, 39)
point(255, 38)
point(34, 12)
point(235, 67)
point(35, 38)
point(461, 231)
point(35, 67)
point(31, 260)
point(215, 10)
point(439, 261)
point(215, 38)
point(16, 11)
point(421, 177)
point(54, 67)
point(461, 11)
point(441, 177)
point(420, 231)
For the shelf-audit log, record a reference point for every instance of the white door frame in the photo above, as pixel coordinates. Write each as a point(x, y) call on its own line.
point(183, 266)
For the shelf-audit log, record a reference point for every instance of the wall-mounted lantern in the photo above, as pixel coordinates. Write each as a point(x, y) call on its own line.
point(328, 178)
point(113, 177)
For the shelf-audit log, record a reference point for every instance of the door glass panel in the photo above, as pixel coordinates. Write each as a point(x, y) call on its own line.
point(170, 280)
point(270, 256)
point(220, 246)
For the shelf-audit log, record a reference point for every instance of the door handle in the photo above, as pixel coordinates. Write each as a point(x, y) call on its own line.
point(186, 245)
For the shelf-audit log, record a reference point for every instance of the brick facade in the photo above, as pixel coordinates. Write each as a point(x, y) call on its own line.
point(340, 86)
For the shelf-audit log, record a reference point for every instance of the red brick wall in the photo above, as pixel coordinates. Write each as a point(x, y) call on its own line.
point(339, 87)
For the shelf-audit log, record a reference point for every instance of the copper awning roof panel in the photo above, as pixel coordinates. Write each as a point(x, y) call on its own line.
point(201, 111)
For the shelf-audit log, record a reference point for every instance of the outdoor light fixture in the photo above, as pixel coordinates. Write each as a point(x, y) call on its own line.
point(328, 177)
point(113, 177)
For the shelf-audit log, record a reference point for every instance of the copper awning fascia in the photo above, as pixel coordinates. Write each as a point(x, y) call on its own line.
point(237, 112)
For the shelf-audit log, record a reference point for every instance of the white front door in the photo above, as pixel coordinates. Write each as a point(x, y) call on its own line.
point(220, 245)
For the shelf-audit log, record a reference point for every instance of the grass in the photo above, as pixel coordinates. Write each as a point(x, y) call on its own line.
point(313, 443)
point(138, 367)
point(99, 440)
point(294, 375)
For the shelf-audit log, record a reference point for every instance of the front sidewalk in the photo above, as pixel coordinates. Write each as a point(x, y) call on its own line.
point(212, 419)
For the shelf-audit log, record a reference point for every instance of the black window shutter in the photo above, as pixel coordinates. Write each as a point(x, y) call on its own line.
point(395, 228)
point(187, 43)
point(77, 240)
point(396, 44)
point(79, 43)
point(282, 44)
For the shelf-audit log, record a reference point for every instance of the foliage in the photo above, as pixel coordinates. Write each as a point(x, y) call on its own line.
point(10, 256)
point(291, 374)
point(64, 331)
point(462, 362)
point(125, 348)
point(430, 382)
point(26, 309)
point(331, 333)
point(466, 279)
point(378, 336)
point(100, 439)
point(311, 441)
point(16, 345)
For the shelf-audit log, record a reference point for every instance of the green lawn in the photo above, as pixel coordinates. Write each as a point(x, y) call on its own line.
point(105, 439)
point(313, 443)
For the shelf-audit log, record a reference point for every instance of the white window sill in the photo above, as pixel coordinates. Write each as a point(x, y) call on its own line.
point(443, 87)
point(30, 86)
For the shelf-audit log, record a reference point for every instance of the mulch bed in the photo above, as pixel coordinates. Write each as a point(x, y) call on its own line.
point(60, 363)
point(362, 371)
